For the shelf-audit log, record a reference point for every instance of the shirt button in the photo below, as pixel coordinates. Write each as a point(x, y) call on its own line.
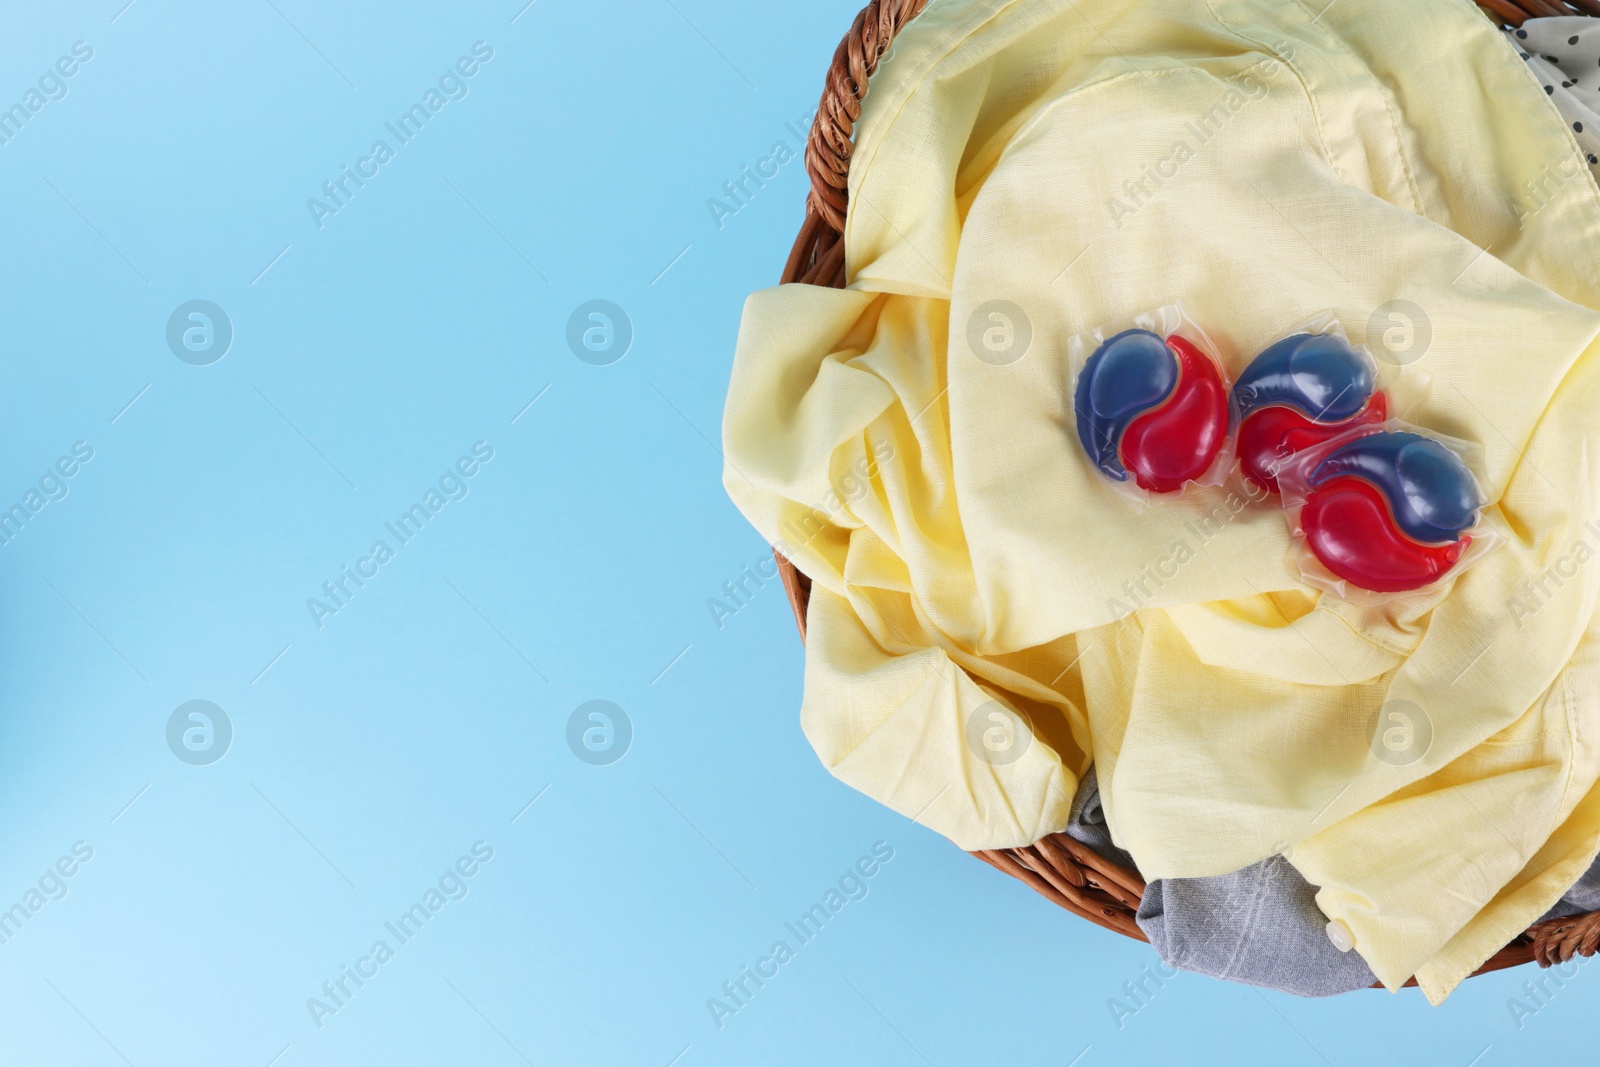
point(1340, 935)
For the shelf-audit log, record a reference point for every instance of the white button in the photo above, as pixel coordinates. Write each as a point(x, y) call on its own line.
point(1340, 935)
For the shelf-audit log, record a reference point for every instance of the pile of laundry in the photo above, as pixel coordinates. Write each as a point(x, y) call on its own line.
point(1322, 790)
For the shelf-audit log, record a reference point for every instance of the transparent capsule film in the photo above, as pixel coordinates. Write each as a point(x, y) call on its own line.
point(1152, 406)
point(1386, 511)
point(1309, 384)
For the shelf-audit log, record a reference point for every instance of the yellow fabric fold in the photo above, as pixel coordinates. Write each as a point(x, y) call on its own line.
point(1067, 163)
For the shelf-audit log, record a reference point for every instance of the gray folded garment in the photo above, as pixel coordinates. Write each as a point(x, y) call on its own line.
point(1086, 823)
point(1584, 896)
point(1260, 925)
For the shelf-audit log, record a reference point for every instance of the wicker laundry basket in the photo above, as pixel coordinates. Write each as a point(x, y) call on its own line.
point(1057, 867)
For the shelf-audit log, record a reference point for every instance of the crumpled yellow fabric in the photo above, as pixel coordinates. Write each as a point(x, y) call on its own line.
point(1259, 161)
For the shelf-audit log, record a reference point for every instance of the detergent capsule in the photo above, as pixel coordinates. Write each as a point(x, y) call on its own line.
point(1152, 409)
point(1386, 509)
point(1300, 391)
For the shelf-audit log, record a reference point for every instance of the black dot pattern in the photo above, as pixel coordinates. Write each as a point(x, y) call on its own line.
point(1564, 53)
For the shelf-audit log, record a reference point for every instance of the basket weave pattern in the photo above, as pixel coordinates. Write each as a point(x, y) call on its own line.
point(1057, 867)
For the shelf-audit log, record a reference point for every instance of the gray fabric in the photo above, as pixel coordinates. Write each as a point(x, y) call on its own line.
point(1087, 823)
point(1585, 892)
point(1584, 896)
point(1261, 925)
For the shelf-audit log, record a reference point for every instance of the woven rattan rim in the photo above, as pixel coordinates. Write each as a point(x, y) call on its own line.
point(1057, 867)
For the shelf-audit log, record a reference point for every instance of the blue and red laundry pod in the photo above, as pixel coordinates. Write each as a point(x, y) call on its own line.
point(1388, 511)
point(1301, 391)
point(1152, 410)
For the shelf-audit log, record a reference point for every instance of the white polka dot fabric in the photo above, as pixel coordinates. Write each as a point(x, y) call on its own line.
point(1565, 54)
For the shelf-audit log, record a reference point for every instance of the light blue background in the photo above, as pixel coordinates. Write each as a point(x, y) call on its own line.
point(370, 753)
